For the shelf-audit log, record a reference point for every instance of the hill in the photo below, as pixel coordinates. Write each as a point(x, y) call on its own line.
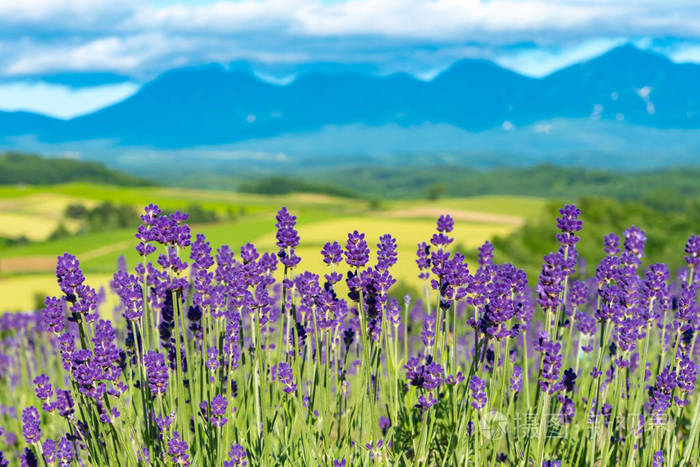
point(16, 168)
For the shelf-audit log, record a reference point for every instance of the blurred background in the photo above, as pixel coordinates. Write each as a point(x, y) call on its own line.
point(376, 115)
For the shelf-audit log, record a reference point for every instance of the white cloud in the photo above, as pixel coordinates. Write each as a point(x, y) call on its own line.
point(144, 38)
point(426, 19)
point(61, 101)
point(106, 53)
point(541, 61)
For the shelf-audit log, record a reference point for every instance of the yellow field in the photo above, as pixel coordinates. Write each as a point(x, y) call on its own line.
point(35, 216)
point(408, 234)
point(18, 293)
point(26, 271)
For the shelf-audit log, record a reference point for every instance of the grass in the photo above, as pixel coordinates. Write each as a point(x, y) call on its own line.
point(176, 198)
point(26, 225)
point(34, 216)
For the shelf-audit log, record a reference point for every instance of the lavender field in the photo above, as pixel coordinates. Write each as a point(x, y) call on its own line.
point(241, 357)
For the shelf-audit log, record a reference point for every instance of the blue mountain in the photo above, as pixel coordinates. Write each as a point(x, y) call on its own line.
point(214, 105)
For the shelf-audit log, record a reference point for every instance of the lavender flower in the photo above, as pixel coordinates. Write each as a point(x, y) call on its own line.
point(28, 458)
point(612, 244)
point(516, 379)
point(568, 409)
point(156, 371)
point(486, 254)
point(64, 452)
point(164, 423)
point(578, 293)
point(332, 253)
point(692, 251)
point(200, 253)
point(63, 404)
point(393, 312)
point(478, 390)
point(445, 224)
point(551, 463)
point(386, 252)
point(212, 358)
point(49, 448)
point(31, 426)
point(356, 251)
point(236, 455)
point(569, 223)
point(283, 373)
point(384, 425)
point(69, 275)
point(54, 314)
point(218, 410)
point(660, 394)
point(550, 285)
point(423, 260)
point(687, 373)
point(177, 449)
point(42, 387)
point(428, 332)
point(424, 403)
point(634, 242)
point(287, 238)
point(427, 375)
point(130, 293)
point(551, 361)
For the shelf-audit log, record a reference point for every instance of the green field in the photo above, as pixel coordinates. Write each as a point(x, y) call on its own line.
point(27, 270)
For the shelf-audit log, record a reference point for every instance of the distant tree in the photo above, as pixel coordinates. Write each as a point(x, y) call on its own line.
point(283, 185)
point(60, 232)
point(75, 211)
point(436, 191)
point(375, 204)
point(197, 214)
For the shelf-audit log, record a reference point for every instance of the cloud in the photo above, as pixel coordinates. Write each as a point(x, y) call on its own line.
point(418, 36)
point(61, 101)
point(541, 61)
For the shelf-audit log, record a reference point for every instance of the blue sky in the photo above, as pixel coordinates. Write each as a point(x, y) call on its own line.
point(140, 39)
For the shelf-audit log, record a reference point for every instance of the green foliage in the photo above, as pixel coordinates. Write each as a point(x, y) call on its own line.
point(401, 289)
point(104, 216)
point(35, 170)
point(60, 232)
point(38, 300)
point(375, 204)
point(667, 225)
point(76, 211)
point(198, 215)
point(279, 185)
point(436, 191)
point(6, 242)
point(548, 181)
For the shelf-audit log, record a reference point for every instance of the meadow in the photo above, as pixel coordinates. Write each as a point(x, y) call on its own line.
point(26, 271)
point(214, 355)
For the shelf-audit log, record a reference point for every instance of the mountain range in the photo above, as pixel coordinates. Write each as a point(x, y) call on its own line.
point(214, 106)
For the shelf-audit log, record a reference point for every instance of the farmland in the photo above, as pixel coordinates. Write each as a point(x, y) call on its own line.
point(36, 211)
